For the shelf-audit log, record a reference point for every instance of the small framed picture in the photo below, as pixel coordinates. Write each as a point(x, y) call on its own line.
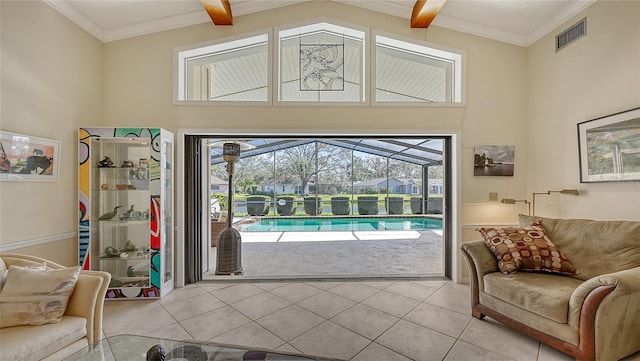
point(28, 158)
point(494, 160)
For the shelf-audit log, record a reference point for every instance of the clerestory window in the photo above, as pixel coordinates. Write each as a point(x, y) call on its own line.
point(410, 72)
point(320, 63)
point(231, 71)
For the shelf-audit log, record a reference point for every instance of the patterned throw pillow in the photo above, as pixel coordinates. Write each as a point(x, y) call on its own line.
point(525, 249)
point(36, 296)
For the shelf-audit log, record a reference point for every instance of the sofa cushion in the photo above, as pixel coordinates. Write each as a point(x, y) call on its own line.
point(33, 296)
point(36, 342)
point(525, 248)
point(5, 272)
point(594, 247)
point(546, 295)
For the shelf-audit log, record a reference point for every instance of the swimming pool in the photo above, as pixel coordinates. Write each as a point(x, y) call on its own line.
point(304, 224)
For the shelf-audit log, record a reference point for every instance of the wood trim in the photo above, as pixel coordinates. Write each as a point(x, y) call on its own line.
point(473, 279)
point(219, 11)
point(587, 350)
point(424, 11)
point(584, 351)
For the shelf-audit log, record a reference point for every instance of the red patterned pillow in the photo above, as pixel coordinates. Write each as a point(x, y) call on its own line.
point(525, 249)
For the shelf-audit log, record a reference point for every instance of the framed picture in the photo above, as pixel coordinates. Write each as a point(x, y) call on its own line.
point(27, 158)
point(494, 160)
point(609, 148)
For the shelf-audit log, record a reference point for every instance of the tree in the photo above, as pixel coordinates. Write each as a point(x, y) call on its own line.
point(245, 184)
point(301, 161)
point(435, 172)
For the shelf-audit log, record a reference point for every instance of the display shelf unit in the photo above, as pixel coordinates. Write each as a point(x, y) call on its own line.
point(126, 208)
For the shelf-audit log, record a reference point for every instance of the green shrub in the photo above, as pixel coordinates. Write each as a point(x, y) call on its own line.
point(312, 205)
point(367, 205)
point(340, 205)
point(258, 205)
point(288, 207)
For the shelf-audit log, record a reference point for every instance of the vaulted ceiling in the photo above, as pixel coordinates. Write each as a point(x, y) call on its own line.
point(519, 22)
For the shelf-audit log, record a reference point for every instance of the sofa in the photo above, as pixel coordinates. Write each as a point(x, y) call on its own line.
point(584, 302)
point(79, 326)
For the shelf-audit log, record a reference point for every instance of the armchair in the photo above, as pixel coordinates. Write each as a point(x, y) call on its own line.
point(81, 323)
point(594, 315)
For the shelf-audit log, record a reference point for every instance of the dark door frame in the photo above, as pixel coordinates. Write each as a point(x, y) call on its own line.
point(189, 243)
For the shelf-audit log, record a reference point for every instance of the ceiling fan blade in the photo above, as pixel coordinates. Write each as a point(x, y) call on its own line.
point(424, 11)
point(219, 11)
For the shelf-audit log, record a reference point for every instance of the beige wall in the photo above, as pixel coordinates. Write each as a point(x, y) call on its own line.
point(593, 77)
point(51, 78)
point(52, 82)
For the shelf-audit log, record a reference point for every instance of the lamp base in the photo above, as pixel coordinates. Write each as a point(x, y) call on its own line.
point(229, 255)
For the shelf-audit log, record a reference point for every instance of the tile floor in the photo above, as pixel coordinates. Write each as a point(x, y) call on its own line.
point(366, 320)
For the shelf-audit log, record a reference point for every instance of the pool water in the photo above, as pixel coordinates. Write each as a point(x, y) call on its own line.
point(341, 224)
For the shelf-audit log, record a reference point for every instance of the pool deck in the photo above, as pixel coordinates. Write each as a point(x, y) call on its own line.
point(338, 254)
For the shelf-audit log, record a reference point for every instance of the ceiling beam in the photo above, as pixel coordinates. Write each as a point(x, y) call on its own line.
point(219, 11)
point(424, 11)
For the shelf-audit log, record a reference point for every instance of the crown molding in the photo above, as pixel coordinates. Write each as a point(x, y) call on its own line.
point(386, 7)
point(78, 18)
point(483, 31)
point(154, 26)
point(244, 7)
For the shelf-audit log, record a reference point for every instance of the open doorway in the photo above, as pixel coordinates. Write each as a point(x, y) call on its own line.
point(300, 203)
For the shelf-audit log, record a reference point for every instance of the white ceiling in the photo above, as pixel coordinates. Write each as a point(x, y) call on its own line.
point(519, 22)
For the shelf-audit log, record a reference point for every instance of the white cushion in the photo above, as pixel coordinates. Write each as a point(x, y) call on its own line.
point(36, 296)
point(25, 343)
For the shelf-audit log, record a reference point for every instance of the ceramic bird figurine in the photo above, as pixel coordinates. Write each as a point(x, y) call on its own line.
point(107, 216)
point(127, 213)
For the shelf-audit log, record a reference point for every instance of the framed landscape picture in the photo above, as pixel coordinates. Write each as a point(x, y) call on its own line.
point(28, 158)
point(609, 148)
point(494, 160)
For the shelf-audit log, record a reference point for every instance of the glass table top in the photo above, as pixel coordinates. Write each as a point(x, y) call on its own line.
point(135, 348)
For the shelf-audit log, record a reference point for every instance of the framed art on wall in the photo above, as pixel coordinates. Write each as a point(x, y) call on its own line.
point(28, 158)
point(494, 160)
point(609, 148)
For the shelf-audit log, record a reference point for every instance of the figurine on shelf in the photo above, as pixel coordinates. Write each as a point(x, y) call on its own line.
point(107, 216)
point(129, 246)
point(106, 163)
point(127, 164)
point(127, 214)
point(143, 163)
point(111, 251)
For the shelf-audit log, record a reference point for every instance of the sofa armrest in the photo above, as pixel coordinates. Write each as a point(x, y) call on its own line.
point(617, 317)
point(87, 300)
point(480, 258)
point(480, 261)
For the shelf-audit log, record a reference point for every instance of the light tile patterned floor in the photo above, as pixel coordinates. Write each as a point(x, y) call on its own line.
point(359, 321)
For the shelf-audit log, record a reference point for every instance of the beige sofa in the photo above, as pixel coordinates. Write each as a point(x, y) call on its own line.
point(80, 325)
point(594, 315)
